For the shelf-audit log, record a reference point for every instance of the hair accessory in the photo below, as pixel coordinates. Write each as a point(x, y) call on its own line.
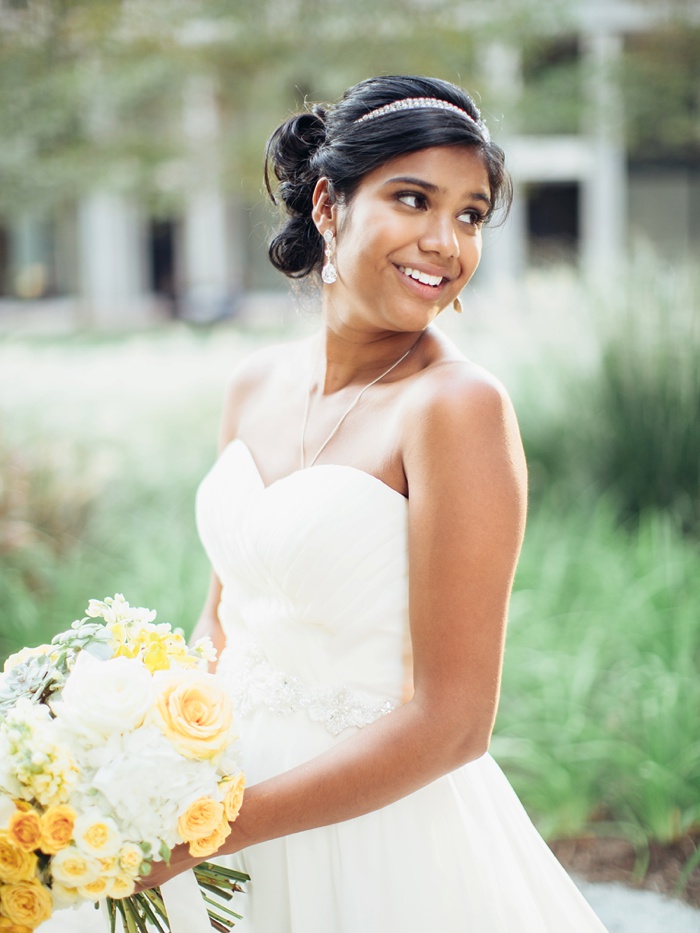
point(417, 103)
point(457, 305)
point(329, 273)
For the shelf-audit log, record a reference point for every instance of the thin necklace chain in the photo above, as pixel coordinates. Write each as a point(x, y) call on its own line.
point(347, 410)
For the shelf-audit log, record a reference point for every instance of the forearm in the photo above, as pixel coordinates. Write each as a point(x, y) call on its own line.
point(392, 757)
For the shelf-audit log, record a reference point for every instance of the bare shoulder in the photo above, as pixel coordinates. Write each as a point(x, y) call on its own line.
point(252, 376)
point(452, 395)
point(459, 420)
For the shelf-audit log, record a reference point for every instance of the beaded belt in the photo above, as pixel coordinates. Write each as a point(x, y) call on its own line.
point(252, 682)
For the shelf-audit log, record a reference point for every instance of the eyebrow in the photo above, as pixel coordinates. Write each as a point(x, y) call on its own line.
point(434, 189)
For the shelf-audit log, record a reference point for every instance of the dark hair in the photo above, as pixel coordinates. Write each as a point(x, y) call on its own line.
point(329, 142)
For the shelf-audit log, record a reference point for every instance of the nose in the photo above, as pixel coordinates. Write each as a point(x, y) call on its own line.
point(440, 236)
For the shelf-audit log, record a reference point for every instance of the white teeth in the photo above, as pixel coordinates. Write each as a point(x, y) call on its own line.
point(423, 277)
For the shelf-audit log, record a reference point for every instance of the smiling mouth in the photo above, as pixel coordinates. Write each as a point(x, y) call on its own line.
point(433, 280)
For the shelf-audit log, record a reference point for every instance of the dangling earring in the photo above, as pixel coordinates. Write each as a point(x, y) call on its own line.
point(457, 305)
point(329, 273)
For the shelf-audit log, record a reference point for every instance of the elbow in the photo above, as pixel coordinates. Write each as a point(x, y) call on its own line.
point(472, 744)
point(464, 730)
point(465, 740)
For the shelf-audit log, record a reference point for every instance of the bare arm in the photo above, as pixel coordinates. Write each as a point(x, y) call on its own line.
point(466, 474)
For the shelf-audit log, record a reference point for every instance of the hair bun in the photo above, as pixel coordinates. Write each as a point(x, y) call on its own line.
point(290, 151)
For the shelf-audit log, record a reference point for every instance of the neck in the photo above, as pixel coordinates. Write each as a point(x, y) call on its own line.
point(349, 356)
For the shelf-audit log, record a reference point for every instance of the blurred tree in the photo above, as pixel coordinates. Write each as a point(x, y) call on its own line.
point(661, 84)
point(92, 90)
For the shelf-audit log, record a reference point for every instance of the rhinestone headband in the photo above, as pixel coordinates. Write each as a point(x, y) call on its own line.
point(416, 103)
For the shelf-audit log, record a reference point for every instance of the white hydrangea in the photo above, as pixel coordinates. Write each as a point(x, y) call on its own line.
point(147, 784)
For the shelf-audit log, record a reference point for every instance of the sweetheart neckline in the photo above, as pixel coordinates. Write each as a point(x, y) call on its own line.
point(316, 466)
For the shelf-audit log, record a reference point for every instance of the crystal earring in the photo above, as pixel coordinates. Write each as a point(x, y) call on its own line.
point(457, 305)
point(329, 273)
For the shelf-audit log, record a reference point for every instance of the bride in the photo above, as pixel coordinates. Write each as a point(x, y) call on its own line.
point(364, 521)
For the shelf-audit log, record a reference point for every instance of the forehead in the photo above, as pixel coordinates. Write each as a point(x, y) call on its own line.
point(455, 170)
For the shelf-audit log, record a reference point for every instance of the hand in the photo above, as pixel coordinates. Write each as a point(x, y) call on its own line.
point(180, 860)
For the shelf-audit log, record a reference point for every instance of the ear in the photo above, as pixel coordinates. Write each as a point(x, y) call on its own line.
point(323, 212)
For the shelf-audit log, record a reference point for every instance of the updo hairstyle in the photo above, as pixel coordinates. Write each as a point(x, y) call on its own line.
point(329, 142)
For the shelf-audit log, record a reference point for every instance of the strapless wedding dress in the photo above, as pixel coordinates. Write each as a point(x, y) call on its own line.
point(315, 606)
point(314, 570)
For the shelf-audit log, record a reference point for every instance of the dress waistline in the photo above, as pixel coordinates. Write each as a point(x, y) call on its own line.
point(252, 682)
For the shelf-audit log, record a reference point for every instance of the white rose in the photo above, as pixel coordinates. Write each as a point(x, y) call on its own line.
point(96, 834)
point(103, 698)
point(72, 868)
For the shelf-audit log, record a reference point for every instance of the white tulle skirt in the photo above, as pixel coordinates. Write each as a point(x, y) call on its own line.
point(458, 856)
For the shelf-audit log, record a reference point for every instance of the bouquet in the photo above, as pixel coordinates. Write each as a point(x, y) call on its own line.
point(115, 746)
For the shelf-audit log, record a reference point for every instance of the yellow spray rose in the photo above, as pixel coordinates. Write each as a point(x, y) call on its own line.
point(24, 829)
point(97, 835)
point(207, 845)
point(15, 864)
point(27, 902)
point(122, 886)
point(57, 828)
point(71, 867)
point(97, 889)
point(232, 788)
point(194, 712)
point(200, 819)
point(130, 859)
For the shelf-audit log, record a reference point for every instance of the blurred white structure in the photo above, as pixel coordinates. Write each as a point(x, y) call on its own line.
point(576, 196)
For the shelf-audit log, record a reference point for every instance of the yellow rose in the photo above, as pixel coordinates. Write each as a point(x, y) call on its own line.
point(122, 886)
point(7, 926)
point(72, 868)
point(27, 902)
point(97, 889)
point(200, 819)
point(207, 845)
point(232, 788)
point(57, 828)
point(130, 859)
point(194, 712)
point(24, 829)
point(15, 864)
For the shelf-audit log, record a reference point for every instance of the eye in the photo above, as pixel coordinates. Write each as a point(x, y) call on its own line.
point(472, 217)
point(414, 199)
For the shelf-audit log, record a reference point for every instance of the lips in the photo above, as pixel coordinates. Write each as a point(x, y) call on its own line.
point(435, 281)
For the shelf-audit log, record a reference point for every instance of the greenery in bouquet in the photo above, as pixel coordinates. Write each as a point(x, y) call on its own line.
point(115, 746)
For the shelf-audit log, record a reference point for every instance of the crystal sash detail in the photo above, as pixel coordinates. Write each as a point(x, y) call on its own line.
point(252, 682)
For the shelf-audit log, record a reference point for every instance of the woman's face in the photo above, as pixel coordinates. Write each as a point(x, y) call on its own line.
point(410, 239)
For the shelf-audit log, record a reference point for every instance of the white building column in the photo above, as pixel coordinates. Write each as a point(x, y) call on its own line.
point(604, 192)
point(505, 246)
point(504, 255)
point(111, 250)
point(207, 273)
